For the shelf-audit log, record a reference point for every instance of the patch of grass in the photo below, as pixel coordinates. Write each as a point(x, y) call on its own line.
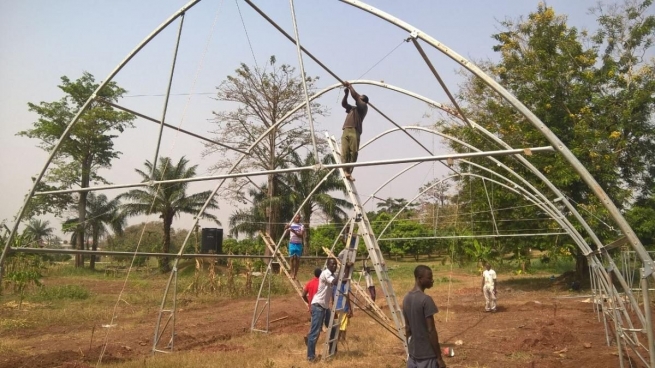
point(69, 270)
point(8, 324)
point(60, 292)
point(521, 356)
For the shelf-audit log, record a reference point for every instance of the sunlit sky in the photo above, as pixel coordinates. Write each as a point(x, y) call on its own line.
point(40, 41)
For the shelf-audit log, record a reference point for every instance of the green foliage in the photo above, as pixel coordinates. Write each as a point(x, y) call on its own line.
point(642, 220)
point(60, 292)
point(478, 251)
point(102, 215)
point(23, 271)
point(88, 147)
point(597, 94)
point(168, 200)
point(38, 230)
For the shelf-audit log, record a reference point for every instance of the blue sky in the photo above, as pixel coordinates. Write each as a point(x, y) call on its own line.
point(41, 40)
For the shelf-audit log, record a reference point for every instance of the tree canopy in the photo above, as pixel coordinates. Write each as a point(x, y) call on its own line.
point(88, 148)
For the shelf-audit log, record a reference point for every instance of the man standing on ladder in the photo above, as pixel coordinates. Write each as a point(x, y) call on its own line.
point(296, 233)
point(352, 127)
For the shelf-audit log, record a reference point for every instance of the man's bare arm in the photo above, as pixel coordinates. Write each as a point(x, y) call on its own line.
point(344, 102)
point(432, 335)
point(353, 93)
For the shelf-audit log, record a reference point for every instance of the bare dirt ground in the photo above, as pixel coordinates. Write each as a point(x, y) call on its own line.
point(534, 327)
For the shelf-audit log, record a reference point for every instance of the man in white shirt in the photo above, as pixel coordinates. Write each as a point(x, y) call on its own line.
point(489, 288)
point(319, 306)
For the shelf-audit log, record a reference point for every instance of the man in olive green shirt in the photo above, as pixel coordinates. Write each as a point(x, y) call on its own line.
point(352, 127)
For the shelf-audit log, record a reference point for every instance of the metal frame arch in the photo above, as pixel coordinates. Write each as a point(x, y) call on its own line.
point(526, 164)
point(77, 116)
point(517, 189)
point(532, 118)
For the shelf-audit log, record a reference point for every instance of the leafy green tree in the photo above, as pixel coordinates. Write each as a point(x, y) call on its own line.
point(38, 230)
point(102, 215)
point(641, 217)
point(88, 148)
point(264, 95)
point(168, 200)
point(596, 92)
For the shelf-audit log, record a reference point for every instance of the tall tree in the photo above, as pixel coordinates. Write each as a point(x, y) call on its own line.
point(38, 230)
point(168, 200)
point(264, 95)
point(101, 215)
point(596, 93)
point(89, 146)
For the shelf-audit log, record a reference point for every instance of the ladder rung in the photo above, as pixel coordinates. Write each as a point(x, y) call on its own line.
point(161, 351)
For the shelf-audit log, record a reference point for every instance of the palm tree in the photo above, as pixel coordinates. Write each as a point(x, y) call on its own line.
point(101, 215)
point(169, 200)
point(393, 205)
point(38, 229)
point(301, 183)
point(250, 221)
point(293, 188)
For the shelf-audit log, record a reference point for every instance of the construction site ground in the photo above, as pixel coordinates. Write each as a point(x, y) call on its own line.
point(539, 323)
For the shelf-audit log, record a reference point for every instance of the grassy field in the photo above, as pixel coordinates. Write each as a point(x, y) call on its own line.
point(65, 322)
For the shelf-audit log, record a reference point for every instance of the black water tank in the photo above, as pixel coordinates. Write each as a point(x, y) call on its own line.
point(212, 240)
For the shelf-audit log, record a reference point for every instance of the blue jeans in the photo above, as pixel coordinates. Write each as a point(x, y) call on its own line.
point(318, 316)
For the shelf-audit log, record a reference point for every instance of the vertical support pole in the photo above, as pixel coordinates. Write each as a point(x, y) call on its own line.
point(168, 94)
point(649, 316)
point(174, 310)
point(304, 82)
point(618, 329)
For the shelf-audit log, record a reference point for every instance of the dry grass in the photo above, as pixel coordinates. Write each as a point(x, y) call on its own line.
point(369, 348)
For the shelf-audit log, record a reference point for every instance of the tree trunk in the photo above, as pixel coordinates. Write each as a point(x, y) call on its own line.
point(94, 247)
point(581, 266)
point(271, 226)
point(164, 261)
point(81, 210)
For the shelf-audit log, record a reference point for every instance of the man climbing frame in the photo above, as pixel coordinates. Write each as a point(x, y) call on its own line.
point(352, 127)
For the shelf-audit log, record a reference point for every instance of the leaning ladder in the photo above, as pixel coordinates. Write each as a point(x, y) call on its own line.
point(266, 282)
point(366, 233)
point(340, 293)
point(170, 313)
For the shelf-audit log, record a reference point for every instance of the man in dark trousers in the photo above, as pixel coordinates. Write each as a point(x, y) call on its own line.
point(352, 127)
point(420, 329)
point(319, 305)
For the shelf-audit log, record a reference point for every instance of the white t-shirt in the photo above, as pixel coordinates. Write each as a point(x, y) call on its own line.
point(324, 292)
point(489, 277)
point(293, 237)
point(369, 279)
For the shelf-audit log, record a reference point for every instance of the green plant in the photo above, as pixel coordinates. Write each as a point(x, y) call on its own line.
point(60, 292)
point(23, 271)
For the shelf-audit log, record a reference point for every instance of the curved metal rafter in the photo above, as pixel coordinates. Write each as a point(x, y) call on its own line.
point(84, 107)
point(531, 117)
point(547, 205)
